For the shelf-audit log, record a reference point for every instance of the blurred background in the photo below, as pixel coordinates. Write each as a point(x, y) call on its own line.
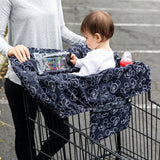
point(137, 29)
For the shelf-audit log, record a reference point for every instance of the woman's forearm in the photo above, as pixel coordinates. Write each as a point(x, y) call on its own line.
point(70, 37)
point(4, 46)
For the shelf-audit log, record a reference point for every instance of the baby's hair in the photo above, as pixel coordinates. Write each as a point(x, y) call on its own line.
point(98, 22)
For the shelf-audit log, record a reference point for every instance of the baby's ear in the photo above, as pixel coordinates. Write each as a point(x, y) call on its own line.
point(98, 37)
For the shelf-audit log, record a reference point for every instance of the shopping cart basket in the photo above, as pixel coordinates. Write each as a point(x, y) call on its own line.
point(140, 141)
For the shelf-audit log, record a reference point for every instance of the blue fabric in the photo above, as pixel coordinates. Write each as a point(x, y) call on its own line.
point(105, 94)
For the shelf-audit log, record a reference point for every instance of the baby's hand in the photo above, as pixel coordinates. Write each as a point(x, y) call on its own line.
point(73, 59)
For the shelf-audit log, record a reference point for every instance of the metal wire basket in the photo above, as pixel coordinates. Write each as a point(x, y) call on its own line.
point(140, 141)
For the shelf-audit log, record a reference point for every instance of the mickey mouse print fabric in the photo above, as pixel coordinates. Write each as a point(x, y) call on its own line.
point(106, 94)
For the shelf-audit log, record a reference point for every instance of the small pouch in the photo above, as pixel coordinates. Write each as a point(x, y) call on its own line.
point(58, 61)
point(54, 61)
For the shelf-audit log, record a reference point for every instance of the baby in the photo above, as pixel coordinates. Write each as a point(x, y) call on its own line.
point(98, 28)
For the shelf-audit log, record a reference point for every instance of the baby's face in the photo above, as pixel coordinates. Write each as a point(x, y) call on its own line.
point(91, 40)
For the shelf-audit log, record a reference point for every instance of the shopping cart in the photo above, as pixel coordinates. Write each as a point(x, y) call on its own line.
point(71, 139)
point(140, 141)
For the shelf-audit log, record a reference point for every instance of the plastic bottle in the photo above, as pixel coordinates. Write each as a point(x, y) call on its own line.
point(126, 59)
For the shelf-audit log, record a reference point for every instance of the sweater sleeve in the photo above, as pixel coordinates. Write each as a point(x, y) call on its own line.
point(79, 63)
point(68, 36)
point(5, 8)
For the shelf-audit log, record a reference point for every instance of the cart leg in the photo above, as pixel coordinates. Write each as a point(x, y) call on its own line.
point(118, 144)
point(64, 153)
point(30, 124)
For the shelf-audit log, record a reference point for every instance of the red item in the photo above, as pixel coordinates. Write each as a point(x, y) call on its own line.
point(124, 62)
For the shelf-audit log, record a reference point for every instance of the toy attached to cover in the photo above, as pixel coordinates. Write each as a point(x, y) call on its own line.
point(55, 62)
point(106, 94)
point(59, 60)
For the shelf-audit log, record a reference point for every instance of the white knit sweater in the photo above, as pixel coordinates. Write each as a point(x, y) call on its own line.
point(33, 23)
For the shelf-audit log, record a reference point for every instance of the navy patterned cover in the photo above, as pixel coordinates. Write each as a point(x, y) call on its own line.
point(106, 94)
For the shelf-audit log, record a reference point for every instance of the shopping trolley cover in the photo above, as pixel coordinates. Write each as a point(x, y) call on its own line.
point(105, 94)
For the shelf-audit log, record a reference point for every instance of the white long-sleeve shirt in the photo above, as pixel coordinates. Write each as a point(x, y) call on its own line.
point(33, 23)
point(95, 62)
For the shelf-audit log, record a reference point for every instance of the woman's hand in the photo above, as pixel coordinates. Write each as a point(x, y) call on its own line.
point(20, 52)
point(73, 59)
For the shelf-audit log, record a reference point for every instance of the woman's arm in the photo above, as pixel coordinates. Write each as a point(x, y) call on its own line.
point(5, 8)
point(67, 35)
point(19, 51)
